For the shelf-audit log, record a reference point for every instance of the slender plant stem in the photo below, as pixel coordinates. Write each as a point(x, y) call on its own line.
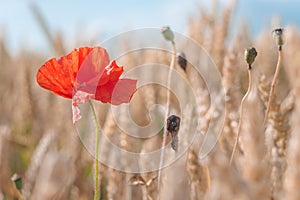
point(172, 64)
point(241, 114)
point(207, 173)
point(272, 90)
point(21, 196)
point(97, 194)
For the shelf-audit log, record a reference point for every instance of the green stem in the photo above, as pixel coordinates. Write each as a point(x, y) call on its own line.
point(21, 196)
point(97, 195)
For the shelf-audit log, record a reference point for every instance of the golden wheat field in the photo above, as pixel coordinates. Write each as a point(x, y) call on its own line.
point(43, 156)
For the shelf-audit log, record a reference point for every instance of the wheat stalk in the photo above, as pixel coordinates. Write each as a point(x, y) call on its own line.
point(277, 135)
point(233, 96)
point(199, 176)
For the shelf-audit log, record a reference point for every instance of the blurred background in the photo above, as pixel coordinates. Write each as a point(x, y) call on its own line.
point(39, 142)
point(99, 20)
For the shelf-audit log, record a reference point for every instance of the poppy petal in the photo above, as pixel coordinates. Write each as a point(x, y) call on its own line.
point(55, 76)
point(86, 74)
point(116, 92)
point(114, 71)
point(123, 91)
point(113, 89)
point(111, 72)
point(62, 76)
point(92, 63)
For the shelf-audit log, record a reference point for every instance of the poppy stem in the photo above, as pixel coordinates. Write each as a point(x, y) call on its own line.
point(274, 81)
point(241, 114)
point(96, 195)
point(172, 64)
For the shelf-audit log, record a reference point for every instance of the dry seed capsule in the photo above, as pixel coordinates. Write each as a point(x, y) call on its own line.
point(137, 180)
point(167, 33)
point(277, 34)
point(181, 59)
point(173, 125)
point(250, 55)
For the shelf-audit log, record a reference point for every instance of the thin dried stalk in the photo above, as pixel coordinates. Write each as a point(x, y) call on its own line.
point(272, 90)
point(175, 178)
point(241, 114)
point(172, 65)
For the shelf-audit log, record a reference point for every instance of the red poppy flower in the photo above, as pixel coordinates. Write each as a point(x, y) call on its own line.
point(84, 74)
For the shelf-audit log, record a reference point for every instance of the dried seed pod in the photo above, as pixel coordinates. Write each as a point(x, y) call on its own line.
point(173, 125)
point(137, 180)
point(181, 59)
point(167, 33)
point(250, 55)
point(277, 34)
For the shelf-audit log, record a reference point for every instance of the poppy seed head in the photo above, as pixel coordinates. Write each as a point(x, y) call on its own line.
point(167, 33)
point(277, 34)
point(250, 55)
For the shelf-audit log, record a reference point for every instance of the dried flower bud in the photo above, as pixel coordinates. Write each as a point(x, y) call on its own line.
point(181, 59)
point(173, 124)
point(167, 33)
point(250, 55)
point(277, 34)
point(17, 180)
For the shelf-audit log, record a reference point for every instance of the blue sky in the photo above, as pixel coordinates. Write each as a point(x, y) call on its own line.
point(103, 19)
